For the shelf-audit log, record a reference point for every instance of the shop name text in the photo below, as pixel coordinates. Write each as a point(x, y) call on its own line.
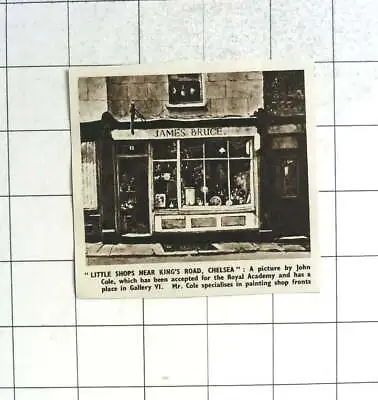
point(188, 132)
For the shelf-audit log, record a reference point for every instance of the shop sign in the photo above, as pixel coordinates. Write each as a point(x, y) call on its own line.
point(184, 133)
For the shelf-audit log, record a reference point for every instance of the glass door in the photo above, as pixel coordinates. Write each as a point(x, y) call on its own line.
point(133, 197)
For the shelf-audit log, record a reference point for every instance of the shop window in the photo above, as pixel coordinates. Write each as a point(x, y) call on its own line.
point(240, 183)
point(165, 174)
point(185, 89)
point(89, 175)
point(287, 178)
point(165, 150)
point(221, 177)
point(204, 173)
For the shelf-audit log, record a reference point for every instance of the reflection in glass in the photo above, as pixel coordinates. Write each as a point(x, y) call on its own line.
point(192, 183)
point(289, 178)
point(191, 149)
point(216, 149)
point(240, 148)
point(217, 182)
point(165, 185)
point(240, 184)
point(165, 150)
point(214, 172)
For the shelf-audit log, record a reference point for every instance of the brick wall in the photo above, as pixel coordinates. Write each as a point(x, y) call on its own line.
point(226, 94)
point(92, 98)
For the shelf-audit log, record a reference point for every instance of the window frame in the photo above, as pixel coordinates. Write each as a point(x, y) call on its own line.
point(193, 105)
point(289, 156)
point(181, 208)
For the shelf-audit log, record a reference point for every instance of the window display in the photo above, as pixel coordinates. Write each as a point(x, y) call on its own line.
point(202, 173)
point(165, 184)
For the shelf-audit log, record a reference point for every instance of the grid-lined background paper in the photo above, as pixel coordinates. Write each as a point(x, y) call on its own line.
point(263, 347)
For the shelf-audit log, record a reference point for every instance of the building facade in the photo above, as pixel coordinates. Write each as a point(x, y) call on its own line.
point(194, 153)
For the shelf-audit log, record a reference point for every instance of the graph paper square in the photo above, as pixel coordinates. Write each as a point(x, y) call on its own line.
point(327, 222)
point(173, 393)
point(323, 73)
point(50, 300)
point(38, 212)
point(3, 164)
point(355, 32)
point(315, 364)
point(6, 359)
point(309, 392)
point(226, 355)
point(108, 312)
point(179, 16)
point(46, 394)
point(6, 394)
point(358, 351)
point(362, 305)
point(175, 311)
point(3, 100)
point(126, 369)
point(29, 27)
point(111, 393)
point(169, 362)
point(354, 93)
point(241, 392)
point(37, 99)
point(326, 158)
point(366, 391)
point(45, 356)
point(312, 347)
point(234, 26)
point(359, 175)
point(312, 18)
point(93, 40)
point(366, 203)
point(240, 309)
point(4, 231)
point(5, 294)
point(48, 154)
point(310, 307)
point(2, 38)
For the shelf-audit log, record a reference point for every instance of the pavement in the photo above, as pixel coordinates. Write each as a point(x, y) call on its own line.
point(156, 250)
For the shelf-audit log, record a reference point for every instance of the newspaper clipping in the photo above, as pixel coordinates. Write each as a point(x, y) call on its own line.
point(193, 179)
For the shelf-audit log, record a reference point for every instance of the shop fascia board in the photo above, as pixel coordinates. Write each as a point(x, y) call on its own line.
point(102, 129)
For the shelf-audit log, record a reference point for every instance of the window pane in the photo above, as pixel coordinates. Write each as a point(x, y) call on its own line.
point(216, 149)
point(192, 183)
point(185, 89)
point(240, 181)
point(216, 182)
point(132, 148)
point(191, 149)
point(289, 178)
point(240, 148)
point(165, 185)
point(165, 150)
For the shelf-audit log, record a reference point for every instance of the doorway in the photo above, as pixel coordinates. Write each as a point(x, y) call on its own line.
point(133, 196)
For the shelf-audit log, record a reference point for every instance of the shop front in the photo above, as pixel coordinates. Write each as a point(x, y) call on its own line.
point(187, 176)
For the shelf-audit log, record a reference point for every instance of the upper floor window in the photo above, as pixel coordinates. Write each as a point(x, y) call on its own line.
point(284, 92)
point(185, 90)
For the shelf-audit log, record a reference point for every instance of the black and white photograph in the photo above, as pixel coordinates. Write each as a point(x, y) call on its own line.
point(192, 165)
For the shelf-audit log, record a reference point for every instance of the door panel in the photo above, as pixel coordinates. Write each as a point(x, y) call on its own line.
point(133, 195)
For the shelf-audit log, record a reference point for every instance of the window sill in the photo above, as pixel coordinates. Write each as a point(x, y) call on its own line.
point(205, 210)
point(187, 106)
